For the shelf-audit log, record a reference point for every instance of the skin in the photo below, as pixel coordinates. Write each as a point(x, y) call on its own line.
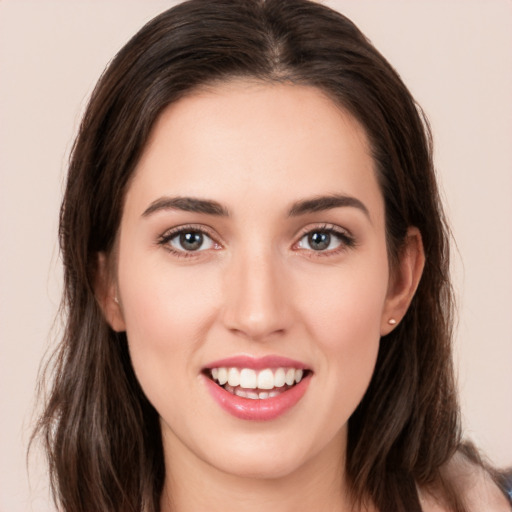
point(257, 289)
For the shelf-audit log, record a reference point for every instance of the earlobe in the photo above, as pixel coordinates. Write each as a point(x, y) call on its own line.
point(105, 288)
point(404, 281)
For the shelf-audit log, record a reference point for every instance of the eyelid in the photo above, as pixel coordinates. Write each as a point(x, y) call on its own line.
point(171, 233)
point(346, 237)
point(324, 226)
point(202, 228)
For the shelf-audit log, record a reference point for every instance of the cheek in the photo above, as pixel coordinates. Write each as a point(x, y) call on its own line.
point(167, 313)
point(344, 318)
point(168, 307)
point(345, 307)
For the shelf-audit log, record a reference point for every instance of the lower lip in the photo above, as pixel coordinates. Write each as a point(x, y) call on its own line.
point(263, 409)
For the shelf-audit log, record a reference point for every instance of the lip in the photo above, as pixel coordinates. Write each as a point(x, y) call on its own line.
point(257, 409)
point(257, 363)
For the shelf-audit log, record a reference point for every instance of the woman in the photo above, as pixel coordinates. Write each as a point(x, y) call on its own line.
point(259, 307)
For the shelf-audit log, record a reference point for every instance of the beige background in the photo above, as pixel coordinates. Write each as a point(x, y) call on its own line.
point(456, 58)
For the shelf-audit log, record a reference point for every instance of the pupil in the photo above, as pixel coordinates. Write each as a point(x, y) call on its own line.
point(191, 241)
point(319, 241)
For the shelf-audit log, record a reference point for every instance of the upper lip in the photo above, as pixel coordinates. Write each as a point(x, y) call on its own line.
point(257, 363)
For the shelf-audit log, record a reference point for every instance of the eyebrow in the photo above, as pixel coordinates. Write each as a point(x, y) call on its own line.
point(210, 207)
point(186, 204)
point(322, 203)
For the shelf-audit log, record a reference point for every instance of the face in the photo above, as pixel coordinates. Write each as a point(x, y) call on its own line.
point(252, 248)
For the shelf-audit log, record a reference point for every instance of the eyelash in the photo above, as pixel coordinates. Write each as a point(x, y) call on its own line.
point(347, 241)
point(165, 239)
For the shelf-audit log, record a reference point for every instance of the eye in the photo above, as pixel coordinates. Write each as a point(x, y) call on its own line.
point(325, 240)
point(187, 240)
point(319, 241)
point(191, 241)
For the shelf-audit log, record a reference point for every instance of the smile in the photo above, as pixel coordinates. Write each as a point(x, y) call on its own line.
point(248, 390)
point(253, 384)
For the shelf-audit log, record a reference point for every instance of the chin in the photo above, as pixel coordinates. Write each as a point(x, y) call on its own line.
point(264, 459)
point(260, 468)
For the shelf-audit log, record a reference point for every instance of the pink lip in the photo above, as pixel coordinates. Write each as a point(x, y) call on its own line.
point(257, 363)
point(257, 409)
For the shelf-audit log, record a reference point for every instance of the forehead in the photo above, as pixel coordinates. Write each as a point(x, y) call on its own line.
point(250, 138)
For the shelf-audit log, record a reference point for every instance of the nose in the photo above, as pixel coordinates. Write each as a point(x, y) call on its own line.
point(257, 297)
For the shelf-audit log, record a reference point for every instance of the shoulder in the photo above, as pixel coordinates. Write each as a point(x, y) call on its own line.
point(473, 483)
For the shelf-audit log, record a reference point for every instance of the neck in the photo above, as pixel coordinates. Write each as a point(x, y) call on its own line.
point(316, 484)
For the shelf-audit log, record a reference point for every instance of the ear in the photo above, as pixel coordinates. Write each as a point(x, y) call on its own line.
point(105, 288)
point(403, 281)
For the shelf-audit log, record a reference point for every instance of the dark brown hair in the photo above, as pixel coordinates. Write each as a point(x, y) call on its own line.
point(102, 435)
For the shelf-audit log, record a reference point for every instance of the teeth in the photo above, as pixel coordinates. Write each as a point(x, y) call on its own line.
point(240, 392)
point(251, 394)
point(266, 379)
point(222, 376)
point(249, 379)
point(279, 378)
point(233, 377)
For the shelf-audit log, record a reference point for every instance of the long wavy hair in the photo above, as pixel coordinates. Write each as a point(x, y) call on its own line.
point(102, 436)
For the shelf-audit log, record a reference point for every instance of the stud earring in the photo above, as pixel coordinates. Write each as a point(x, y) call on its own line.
point(116, 300)
point(392, 321)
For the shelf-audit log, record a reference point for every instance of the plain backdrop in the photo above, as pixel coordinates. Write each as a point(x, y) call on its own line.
point(456, 57)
